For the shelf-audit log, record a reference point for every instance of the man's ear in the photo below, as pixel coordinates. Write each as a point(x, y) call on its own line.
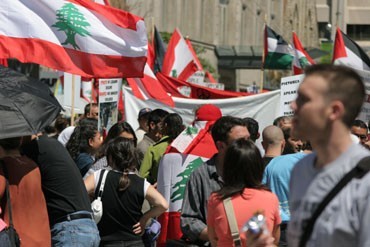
point(151, 125)
point(221, 146)
point(282, 145)
point(337, 110)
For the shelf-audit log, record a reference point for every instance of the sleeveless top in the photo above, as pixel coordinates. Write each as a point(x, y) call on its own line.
point(121, 209)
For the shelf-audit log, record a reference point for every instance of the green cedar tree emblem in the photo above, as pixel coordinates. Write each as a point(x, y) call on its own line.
point(191, 131)
point(180, 186)
point(72, 22)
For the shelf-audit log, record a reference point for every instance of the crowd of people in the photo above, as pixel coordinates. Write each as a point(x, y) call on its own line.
point(200, 181)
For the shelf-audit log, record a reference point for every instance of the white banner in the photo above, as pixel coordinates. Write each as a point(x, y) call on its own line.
point(288, 93)
point(262, 107)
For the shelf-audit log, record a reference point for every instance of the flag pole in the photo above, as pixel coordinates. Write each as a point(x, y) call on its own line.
point(263, 56)
point(73, 101)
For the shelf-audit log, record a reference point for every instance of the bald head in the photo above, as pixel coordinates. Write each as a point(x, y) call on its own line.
point(272, 135)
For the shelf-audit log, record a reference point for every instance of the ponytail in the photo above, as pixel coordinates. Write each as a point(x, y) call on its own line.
point(124, 181)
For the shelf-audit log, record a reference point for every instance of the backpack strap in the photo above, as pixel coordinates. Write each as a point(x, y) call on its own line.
point(101, 183)
point(232, 222)
point(362, 167)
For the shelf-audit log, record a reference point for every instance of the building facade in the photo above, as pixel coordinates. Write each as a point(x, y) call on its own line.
point(231, 31)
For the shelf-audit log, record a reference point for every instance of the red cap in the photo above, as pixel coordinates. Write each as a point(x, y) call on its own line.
point(208, 112)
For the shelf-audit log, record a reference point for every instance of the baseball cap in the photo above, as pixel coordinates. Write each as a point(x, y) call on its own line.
point(144, 111)
point(208, 112)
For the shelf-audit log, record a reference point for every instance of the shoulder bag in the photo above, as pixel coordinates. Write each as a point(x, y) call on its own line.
point(97, 204)
point(230, 214)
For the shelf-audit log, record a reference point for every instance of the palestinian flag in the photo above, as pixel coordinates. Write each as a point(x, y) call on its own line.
point(301, 58)
point(278, 53)
point(347, 52)
point(76, 36)
point(159, 49)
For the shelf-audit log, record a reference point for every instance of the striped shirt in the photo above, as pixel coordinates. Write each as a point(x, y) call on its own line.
point(202, 182)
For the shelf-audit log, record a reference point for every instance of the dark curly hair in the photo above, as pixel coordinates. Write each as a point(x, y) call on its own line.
point(122, 156)
point(79, 141)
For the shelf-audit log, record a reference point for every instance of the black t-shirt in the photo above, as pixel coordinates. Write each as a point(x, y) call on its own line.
point(121, 209)
point(62, 183)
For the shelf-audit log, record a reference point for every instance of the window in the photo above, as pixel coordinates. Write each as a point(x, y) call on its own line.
point(359, 32)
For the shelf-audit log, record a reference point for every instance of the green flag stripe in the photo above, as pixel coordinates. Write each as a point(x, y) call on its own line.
point(278, 61)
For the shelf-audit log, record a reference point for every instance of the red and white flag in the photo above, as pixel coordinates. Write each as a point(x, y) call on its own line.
point(178, 61)
point(301, 57)
point(104, 2)
point(209, 77)
point(149, 87)
point(183, 89)
point(75, 36)
point(187, 152)
point(347, 52)
point(195, 57)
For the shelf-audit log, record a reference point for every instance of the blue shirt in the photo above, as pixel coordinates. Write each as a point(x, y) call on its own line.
point(277, 178)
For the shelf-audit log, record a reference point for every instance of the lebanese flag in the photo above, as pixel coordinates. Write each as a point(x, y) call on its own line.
point(209, 77)
point(178, 61)
point(176, 87)
point(4, 62)
point(188, 151)
point(149, 87)
point(103, 2)
point(195, 57)
point(278, 53)
point(301, 57)
point(76, 36)
point(347, 52)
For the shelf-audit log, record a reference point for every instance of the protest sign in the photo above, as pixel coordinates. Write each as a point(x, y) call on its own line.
point(288, 93)
point(108, 102)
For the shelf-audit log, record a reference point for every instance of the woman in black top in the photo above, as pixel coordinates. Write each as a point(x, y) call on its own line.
point(123, 223)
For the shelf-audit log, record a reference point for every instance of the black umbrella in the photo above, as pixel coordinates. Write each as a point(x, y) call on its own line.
point(26, 105)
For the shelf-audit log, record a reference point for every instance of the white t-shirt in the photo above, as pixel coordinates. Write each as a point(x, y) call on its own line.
point(346, 219)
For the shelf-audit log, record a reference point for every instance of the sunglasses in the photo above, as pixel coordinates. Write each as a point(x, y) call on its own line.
point(362, 137)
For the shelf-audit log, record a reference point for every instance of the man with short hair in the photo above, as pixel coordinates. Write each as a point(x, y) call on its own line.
point(329, 99)
point(273, 143)
point(359, 129)
point(292, 144)
point(91, 111)
point(283, 122)
point(142, 119)
point(208, 178)
point(154, 134)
